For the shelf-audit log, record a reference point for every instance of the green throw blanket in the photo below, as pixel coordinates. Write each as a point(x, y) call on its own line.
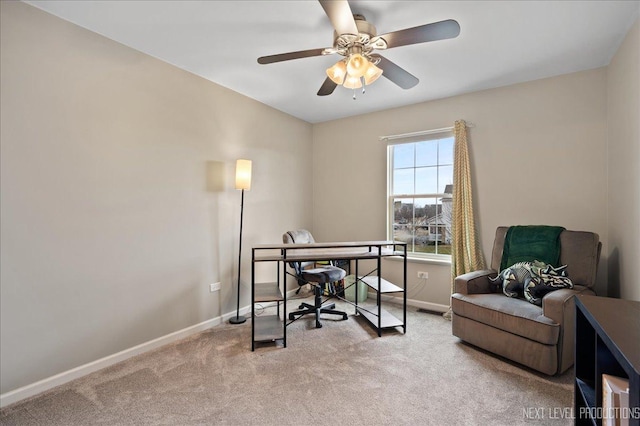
point(529, 243)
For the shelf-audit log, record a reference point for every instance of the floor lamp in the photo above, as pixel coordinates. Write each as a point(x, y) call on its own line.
point(243, 181)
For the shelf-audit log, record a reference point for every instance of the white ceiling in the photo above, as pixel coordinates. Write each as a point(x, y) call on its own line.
point(500, 43)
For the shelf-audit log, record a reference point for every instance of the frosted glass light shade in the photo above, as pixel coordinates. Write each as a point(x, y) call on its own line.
point(352, 82)
point(357, 65)
point(337, 72)
point(372, 74)
point(243, 174)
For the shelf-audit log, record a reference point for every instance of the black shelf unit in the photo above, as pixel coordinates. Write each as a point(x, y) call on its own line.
point(607, 341)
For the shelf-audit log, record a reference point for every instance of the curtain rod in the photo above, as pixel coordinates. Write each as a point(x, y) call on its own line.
point(421, 133)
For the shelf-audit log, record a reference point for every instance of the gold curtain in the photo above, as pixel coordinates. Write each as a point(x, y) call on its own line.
point(466, 255)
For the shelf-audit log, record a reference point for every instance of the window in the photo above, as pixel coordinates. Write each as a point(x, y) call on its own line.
point(420, 193)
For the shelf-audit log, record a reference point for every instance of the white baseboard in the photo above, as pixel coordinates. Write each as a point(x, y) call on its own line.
point(66, 376)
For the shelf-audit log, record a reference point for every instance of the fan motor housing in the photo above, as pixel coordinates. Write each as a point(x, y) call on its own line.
point(365, 27)
point(366, 31)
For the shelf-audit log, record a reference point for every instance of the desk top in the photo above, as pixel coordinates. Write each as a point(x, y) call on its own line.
point(617, 319)
point(328, 251)
point(339, 244)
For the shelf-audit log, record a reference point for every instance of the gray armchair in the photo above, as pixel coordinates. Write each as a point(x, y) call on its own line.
point(541, 338)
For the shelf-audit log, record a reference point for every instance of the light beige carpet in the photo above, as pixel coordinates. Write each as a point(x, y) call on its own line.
point(339, 374)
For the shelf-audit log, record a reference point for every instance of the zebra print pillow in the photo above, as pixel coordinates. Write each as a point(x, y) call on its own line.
point(532, 280)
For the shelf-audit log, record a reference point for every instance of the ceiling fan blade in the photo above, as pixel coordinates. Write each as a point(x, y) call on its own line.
point(339, 13)
point(289, 56)
point(327, 87)
point(396, 74)
point(430, 32)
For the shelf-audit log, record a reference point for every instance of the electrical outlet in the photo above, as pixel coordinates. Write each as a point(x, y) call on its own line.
point(214, 287)
point(423, 274)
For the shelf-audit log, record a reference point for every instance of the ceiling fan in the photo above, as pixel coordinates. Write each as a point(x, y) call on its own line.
point(357, 41)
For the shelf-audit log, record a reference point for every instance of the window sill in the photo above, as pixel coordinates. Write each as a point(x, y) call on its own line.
point(410, 259)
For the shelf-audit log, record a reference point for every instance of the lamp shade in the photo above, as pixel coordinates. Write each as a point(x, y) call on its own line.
point(352, 82)
point(372, 74)
point(337, 72)
point(243, 174)
point(357, 65)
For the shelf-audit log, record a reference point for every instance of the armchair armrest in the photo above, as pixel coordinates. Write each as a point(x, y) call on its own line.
point(476, 282)
point(559, 306)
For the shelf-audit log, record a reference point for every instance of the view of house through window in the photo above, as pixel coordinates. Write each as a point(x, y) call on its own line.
point(420, 193)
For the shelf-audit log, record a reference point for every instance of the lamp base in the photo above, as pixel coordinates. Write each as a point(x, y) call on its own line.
point(237, 320)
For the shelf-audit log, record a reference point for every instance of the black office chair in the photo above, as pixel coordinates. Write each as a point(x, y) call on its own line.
point(319, 277)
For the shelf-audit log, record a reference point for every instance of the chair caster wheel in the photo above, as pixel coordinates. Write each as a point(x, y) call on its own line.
point(301, 307)
point(318, 325)
point(291, 317)
point(344, 317)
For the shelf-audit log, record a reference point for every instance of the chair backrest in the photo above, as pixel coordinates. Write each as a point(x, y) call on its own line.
point(300, 236)
point(579, 250)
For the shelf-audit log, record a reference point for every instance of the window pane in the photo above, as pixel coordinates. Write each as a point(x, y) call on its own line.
point(403, 155)
point(446, 220)
point(403, 181)
point(426, 211)
point(445, 151)
point(403, 221)
point(427, 180)
point(426, 153)
point(445, 178)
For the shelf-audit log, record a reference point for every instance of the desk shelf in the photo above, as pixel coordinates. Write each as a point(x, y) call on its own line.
point(385, 286)
point(267, 328)
point(387, 320)
point(267, 292)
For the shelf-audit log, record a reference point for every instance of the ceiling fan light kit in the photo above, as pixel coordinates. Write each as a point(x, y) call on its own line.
point(356, 39)
point(354, 72)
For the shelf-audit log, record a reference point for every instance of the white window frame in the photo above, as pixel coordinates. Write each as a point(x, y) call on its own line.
point(405, 139)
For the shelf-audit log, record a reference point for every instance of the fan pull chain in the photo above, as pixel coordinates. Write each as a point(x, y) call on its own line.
point(363, 88)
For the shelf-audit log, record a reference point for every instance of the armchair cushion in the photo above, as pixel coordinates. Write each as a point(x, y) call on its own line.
point(515, 316)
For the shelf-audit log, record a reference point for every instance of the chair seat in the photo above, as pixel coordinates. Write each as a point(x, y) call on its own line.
point(516, 316)
point(324, 274)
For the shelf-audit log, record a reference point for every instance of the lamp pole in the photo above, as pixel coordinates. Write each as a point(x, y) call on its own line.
point(239, 319)
point(243, 181)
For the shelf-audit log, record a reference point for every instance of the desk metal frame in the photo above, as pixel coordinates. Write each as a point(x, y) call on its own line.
point(267, 328)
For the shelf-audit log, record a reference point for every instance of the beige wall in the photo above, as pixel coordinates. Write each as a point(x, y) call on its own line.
point(623, 90)
point(109, 234)
point(538, 154)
